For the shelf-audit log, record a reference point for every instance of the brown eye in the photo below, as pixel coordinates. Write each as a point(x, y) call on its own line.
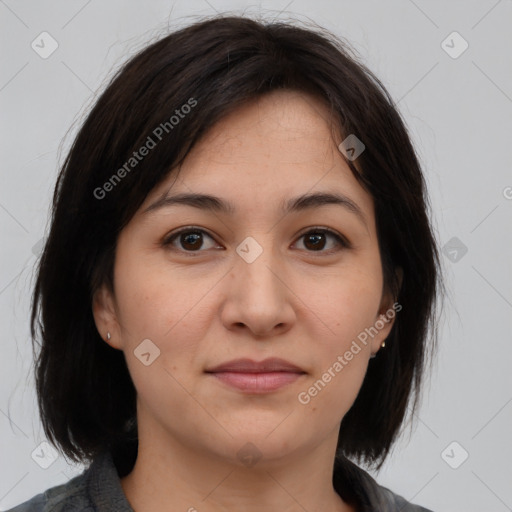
point(188, 240)
point(191, 240)
point(316, 240)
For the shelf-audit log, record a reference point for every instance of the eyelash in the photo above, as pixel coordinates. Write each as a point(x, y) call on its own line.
point(342, 241)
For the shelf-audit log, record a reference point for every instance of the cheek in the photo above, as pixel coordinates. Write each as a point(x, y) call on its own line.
point(341, 362)
point(172, 311)
point(155, 302)
point(346, 305)
point(329, 397)
point(168, 323)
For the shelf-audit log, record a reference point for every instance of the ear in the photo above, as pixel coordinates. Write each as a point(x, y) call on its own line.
point(386, 316)
point(105, 316)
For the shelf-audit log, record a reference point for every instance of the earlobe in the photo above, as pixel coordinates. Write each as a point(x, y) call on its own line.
point(389, 300)
point(105, 317)
point(389, 307)
point(383, 326)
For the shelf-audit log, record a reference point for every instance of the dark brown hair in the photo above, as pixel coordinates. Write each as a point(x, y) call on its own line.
point(85, 394)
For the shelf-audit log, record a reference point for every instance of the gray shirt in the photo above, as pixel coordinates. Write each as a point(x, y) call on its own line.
point(98, 489)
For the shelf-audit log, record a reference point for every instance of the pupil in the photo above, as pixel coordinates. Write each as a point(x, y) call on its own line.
point(191, 239)
point(317, 243)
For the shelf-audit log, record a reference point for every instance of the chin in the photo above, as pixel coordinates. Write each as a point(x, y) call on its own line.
point(265, 446)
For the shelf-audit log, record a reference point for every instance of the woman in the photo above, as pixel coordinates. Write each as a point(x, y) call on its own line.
point(236, 298)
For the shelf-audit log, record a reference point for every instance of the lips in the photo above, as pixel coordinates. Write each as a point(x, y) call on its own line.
point(273, 364)
point(256, 377)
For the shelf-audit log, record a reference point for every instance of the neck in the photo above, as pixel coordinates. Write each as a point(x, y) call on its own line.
point(180, 477)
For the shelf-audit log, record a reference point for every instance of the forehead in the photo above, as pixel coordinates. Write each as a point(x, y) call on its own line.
point(280, 127)
point(279, 146)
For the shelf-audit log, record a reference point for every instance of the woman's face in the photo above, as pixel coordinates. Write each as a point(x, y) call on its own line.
point(262, 280)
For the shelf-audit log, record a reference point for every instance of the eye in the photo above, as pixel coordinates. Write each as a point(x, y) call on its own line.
point(315, 240)
point(189, 238)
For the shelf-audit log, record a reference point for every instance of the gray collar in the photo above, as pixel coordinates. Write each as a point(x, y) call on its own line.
point(351, 482)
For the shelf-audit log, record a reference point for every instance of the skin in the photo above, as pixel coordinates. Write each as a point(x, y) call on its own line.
point(205, 306)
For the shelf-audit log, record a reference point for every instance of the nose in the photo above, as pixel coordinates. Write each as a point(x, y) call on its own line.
point(258, 296)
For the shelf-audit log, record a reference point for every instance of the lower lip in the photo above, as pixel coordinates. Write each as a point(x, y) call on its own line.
point(257, 382)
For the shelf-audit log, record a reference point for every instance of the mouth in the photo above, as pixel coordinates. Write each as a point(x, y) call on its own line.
point(256, 377)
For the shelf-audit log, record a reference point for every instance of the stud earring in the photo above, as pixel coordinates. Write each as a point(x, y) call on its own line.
point(383, 344)
point(108, 335)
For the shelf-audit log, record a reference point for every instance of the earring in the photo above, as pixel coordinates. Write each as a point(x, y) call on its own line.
point(375, 355)
point(108, 335)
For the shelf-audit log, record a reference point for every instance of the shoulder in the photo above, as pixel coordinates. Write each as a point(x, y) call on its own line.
point(71, 496)
point(398, 502)
point(360, 487)
point(97, 488)
point(91, 490)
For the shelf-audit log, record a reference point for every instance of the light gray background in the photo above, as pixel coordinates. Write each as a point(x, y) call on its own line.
point(459, 111)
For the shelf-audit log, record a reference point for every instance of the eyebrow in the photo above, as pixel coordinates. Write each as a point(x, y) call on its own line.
point(296, 204)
